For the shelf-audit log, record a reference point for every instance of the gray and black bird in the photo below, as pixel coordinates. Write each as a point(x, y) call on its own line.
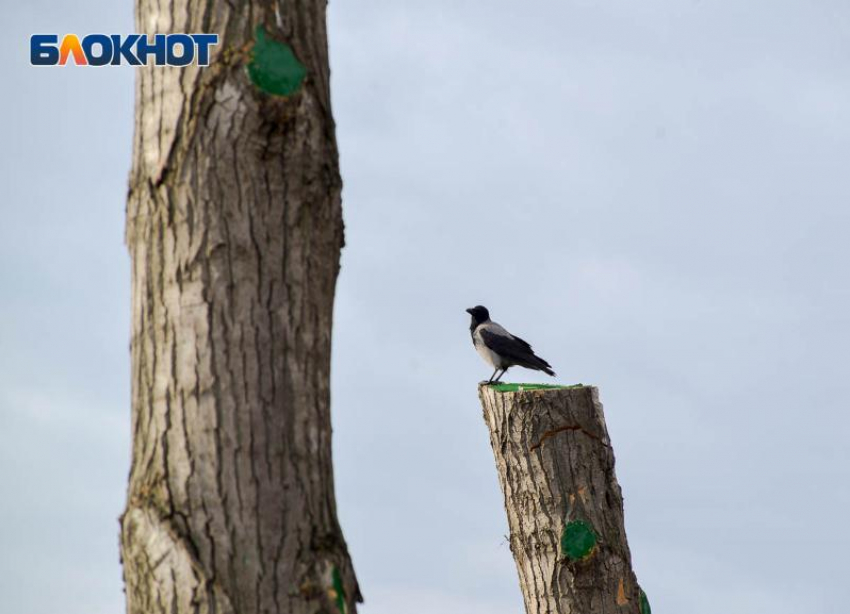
point(499, 348)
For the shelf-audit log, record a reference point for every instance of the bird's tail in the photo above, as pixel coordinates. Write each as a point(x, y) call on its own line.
point(541, 365)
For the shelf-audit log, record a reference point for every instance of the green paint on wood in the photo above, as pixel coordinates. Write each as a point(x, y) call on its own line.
point(519, 387)
point(644, 604)
point(578, 540)
point(274, 67)
point(339, 591)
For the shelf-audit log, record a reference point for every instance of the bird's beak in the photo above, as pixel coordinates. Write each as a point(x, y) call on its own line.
point(469, 311)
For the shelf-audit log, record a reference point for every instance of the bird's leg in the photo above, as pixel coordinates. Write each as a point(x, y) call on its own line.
point(500, 375)
point(490, 381)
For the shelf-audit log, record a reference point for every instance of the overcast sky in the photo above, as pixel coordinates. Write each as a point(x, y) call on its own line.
point(654, 193)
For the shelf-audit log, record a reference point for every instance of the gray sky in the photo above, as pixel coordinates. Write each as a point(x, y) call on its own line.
point(654, 193)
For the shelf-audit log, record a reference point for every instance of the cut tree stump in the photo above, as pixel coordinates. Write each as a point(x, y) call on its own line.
point(564, 505)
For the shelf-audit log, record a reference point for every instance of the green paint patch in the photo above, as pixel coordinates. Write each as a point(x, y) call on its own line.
point(339, 591)
point(520, 387)
point(578, 540)
point(644, 604)
point(274, 67)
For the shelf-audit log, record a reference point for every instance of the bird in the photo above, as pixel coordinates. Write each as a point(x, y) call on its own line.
point(501, 349)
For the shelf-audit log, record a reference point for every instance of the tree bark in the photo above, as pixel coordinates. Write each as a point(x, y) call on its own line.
point(564, 506)
point(234, 227)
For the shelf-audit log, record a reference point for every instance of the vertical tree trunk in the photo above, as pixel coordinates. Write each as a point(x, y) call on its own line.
point(234, 228)
point(565, 510)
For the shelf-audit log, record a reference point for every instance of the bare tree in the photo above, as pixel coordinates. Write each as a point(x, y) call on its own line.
point(234, 228)
point(565, 510)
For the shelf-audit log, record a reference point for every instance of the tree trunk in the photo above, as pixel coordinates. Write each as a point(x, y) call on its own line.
point(234, 228)
point(565, 510)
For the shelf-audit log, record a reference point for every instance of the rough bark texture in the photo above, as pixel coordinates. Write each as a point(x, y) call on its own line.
point(565, 510)
point(234, 228)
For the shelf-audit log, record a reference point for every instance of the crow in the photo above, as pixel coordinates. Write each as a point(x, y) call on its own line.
point(501, 349)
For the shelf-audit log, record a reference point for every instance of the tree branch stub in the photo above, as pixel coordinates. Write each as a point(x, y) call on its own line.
point(555, 466)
